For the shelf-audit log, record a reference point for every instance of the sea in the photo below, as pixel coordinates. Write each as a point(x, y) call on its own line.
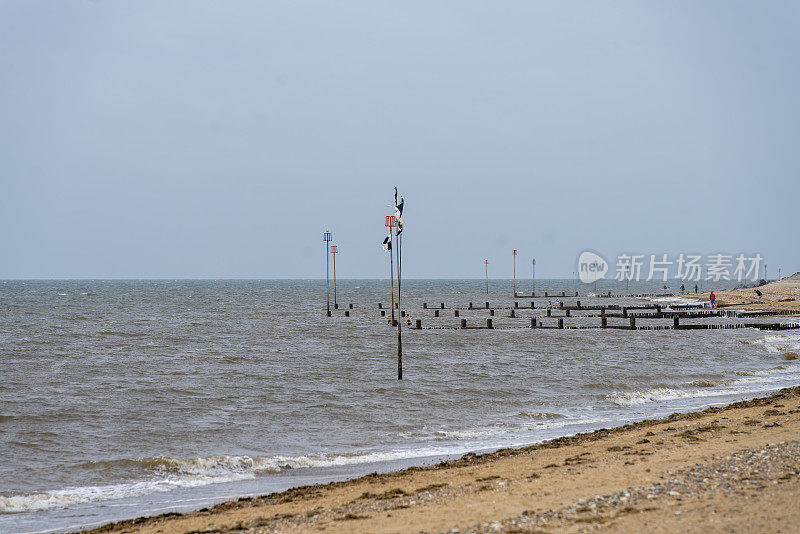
point(124, 398)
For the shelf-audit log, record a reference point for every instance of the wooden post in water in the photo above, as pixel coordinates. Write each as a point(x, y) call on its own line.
point(327, 238)
point(561, 322)
point(436, 313)
point(463, 323)
point(489, 324)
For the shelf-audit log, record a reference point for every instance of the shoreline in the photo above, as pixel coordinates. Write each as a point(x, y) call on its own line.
point(622, 478)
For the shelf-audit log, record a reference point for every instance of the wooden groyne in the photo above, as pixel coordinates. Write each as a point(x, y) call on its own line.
point(612, 316)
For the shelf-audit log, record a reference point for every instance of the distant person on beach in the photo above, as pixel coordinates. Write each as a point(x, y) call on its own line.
point(695, 288)
point(713, 298)
point(682, 289)
point(759, 294)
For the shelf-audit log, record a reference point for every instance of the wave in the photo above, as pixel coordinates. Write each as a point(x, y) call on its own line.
point(472, 433)
point(777, 343)
point(548, 416)
point(711, 383)
point(170, 473)
point(674, 300)
point(636, 397)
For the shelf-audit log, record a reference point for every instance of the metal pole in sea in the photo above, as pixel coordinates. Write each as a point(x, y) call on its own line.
point(334, 250)
point(515, 272)
point(487, 276)
point(398, 210)
point(327, 238)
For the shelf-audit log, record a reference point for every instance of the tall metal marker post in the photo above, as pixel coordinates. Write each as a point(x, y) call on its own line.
point(390, 223)
point(398, 211)
point(334, 250)
point(327, 238)
point(487, 275)
point(533, 277)
point(515, 273)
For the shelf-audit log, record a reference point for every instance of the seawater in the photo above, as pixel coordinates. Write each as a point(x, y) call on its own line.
point(127, 398)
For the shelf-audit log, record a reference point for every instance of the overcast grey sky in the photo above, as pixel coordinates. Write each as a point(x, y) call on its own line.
point(220, 139)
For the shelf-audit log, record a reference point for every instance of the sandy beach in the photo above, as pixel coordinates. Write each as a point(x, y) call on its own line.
point(788, 287)
point(733, 468)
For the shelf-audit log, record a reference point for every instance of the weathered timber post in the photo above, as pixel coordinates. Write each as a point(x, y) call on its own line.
point(489, 323)
point(463, 323)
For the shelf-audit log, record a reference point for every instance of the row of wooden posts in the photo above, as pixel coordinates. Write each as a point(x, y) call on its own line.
point(676, 313)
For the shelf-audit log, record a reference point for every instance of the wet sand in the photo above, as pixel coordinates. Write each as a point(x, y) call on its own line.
point(733, 468)
point(747, 299)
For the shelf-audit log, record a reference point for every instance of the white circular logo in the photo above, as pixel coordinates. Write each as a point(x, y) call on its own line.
point(591, 267)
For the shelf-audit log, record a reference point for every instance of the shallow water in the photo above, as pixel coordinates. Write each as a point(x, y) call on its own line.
point(126, 397)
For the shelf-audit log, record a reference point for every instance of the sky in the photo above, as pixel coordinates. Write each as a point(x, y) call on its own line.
point(165, 139)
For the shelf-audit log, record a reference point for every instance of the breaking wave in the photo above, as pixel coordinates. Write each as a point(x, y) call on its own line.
point(169, 473)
